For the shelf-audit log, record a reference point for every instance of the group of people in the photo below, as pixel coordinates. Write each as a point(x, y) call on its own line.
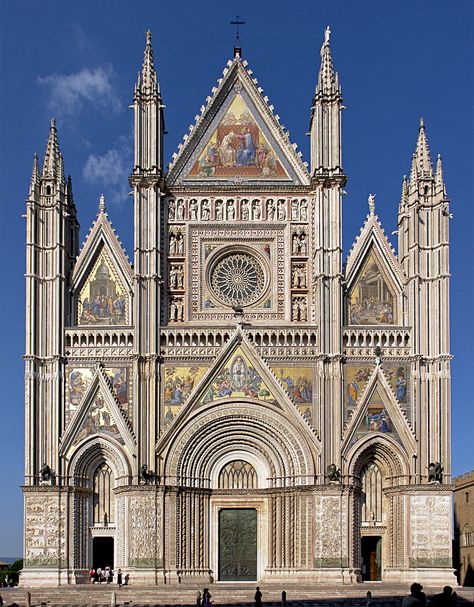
point(106, 576)
point(417, 598)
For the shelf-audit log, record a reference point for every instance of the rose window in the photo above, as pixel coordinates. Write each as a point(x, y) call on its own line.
point(238, 279)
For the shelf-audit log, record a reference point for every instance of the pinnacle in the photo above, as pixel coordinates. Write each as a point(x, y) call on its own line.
point(52, 164)
point(422, 152)
point(147, 79)
point(326, 79)
point(439, 173)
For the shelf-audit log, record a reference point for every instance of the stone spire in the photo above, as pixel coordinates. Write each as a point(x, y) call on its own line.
point(422, 152)
point(147, 81)
point(52, 162)
point(328, 83)
point(35, 174)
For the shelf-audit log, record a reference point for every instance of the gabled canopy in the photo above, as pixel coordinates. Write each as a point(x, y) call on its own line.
point(237, 138)
point(103, 252)
point(372, 263)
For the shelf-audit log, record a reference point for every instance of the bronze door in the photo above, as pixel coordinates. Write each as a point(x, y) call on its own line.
point(237, 544)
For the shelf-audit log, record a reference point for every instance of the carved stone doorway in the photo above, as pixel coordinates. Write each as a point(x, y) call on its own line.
point(371, 549)
point(103, 552)
point(238, 544)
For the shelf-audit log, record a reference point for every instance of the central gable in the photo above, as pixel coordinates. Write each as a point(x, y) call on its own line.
point(237, 147)
point(237, 139)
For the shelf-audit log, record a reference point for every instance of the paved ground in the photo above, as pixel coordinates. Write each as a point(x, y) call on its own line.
point(223, 595)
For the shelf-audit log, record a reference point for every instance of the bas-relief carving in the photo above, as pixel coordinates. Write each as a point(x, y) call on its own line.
point(145, 522)
point(430, 537)
point(103, 299)
point(45, 525)
point(371, 299)
point(298, 382)
point(78, 380)
point(176, 243)
point(238, 148)
point(179, 382)
point(330, 518)
point(176, 309)
point(237, 378)
point(98, 420)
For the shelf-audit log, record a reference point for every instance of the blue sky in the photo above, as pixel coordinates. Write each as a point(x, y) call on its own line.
point(78, 61)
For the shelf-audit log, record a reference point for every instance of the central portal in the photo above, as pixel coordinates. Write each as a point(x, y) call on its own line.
point(237, 545)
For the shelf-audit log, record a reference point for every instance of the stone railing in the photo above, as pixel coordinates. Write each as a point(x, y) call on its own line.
point(117, 341)
point(361, 341)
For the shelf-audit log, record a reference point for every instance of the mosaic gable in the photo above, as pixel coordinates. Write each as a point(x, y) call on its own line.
point(356, 376)
point(103, 298)
point(98, 420)
point(238, 148)
point(371, 300)
point(79, 378)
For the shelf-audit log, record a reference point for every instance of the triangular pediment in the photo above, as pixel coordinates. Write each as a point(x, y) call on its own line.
point(237, 139)
point(374, 279)
point(98, 414)
point(238, 374)
point(378, 412)
point(102, 278)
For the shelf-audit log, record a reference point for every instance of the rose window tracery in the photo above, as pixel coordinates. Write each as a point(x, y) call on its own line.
point(238, 279)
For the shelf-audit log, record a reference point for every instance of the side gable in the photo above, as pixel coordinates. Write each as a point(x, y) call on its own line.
point(378, 411)
point(98, 413)
point(374, 278)
point(102, 268)
point(237, 139)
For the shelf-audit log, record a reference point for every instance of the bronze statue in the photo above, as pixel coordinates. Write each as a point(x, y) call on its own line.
point(333, 473)
point(435, 472)
point(46, 472)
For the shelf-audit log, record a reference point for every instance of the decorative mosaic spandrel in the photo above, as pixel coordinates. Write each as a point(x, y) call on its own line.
point(430, 537)
point(238, 148)
point(103, 300)
point(371, 299)
point(298, 382)
point(179, 382)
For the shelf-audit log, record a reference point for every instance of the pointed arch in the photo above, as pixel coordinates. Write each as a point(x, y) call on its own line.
point(246, 431)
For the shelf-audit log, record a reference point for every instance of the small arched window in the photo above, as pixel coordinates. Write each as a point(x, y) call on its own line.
point(238, 474)
point(467, 535)
point(103, 482)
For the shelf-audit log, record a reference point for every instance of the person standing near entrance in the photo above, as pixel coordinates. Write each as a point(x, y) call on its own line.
point(258, 598)
point(206, 598)
point(119, 578)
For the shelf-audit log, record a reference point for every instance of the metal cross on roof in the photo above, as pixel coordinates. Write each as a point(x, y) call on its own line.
point(237, 22)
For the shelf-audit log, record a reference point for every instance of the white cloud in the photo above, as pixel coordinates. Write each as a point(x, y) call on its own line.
point(68, 92)
point(110, 172)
